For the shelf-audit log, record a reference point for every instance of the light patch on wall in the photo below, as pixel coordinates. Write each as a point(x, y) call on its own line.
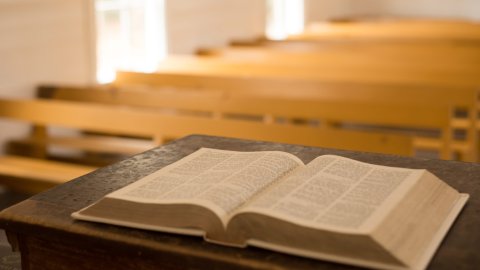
point(285, 17)
point(130, 36)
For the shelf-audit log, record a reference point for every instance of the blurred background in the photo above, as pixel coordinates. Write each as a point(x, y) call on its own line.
point(86, 42)
point(82, 41)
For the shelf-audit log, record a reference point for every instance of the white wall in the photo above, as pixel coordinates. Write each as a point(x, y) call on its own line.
point(467, 9)
point(456, 9)
point(319, 10)
point(42, 41)
point(203, 23)
point(460, 9)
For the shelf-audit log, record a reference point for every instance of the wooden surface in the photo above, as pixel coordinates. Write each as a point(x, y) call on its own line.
point(42, 226)
point(9, 260)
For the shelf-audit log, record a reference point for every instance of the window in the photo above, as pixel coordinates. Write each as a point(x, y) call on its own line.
point(285, 17)
point(130, 36)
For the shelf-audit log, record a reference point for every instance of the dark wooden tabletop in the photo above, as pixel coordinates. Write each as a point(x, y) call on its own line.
point(47, 215)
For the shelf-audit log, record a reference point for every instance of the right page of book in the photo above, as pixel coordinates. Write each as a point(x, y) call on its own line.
point(336, 193)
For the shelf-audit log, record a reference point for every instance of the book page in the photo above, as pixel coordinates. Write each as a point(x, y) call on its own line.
point(218, 179)
point(336, 193)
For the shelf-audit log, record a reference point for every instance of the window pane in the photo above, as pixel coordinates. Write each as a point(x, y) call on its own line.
point(285, 17)
point(130, 36)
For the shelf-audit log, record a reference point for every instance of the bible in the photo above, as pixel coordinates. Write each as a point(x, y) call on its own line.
point(332, 208)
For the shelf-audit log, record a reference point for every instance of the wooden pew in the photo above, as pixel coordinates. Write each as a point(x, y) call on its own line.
point(384, 46)
point(464, 99)
point(218, 104)
point(404, 58)
point(336, 108)
point(227, 70)
point(396, 29)
point(352, 74)
point(152, 123)
point(391, 34)
point(412, 34)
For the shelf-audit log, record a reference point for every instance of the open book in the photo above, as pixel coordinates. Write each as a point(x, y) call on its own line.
point(333, 208)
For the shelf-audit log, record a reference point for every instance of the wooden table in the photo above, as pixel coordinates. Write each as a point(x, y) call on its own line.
point(48, 238)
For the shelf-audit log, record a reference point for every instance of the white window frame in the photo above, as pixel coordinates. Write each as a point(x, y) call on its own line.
point(285, 17)
point(154, 35)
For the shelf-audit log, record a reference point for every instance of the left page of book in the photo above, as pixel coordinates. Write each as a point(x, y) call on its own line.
point(218, 180)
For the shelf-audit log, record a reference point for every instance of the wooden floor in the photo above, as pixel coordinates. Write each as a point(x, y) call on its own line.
point(8, 260)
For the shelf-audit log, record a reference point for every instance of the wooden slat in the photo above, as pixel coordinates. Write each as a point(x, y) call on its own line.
point(90, 143)
point(328, 90)
point(350, 104)
point(227, 68)
point(149, 123)
point(453, 58)
point(50, 172)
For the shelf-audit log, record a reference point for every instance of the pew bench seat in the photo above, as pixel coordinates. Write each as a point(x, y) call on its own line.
point(32, 175)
